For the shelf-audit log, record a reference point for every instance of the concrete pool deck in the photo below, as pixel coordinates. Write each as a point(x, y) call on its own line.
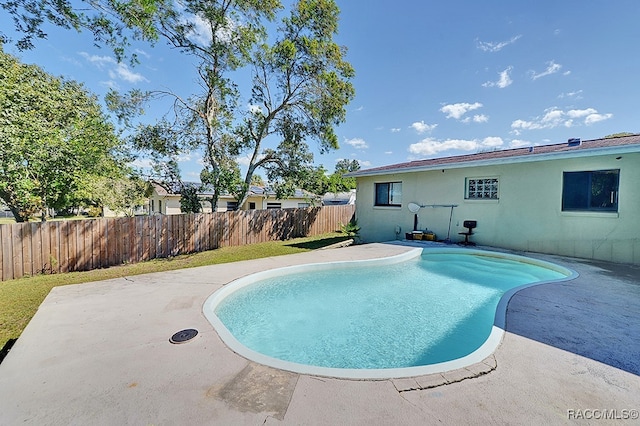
point(99, 353)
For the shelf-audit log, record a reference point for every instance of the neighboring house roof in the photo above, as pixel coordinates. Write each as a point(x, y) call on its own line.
point(339, 198)
point(572, 149)
point(174, 189)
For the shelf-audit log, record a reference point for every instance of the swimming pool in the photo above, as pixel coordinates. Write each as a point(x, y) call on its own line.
point(417, 313)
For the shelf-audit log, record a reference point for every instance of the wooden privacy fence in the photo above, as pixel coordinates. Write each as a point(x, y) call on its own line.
point(81, 245)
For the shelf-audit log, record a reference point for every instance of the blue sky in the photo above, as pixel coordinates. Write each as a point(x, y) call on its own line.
point(433, 78)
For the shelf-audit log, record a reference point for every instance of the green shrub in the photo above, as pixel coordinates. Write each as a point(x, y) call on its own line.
point(351, 228)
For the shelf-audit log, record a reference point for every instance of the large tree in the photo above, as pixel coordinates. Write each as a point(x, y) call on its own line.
point(319, 181)
point(218, 36)
point(54, 137)
point(301, 85)
point(122, 195)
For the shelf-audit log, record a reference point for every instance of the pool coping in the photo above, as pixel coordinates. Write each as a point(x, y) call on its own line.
point(99, 353)
point(475, 364)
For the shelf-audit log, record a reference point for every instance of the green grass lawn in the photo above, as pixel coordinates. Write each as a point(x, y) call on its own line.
point(19, 299)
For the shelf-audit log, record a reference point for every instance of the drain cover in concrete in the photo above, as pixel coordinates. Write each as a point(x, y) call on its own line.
point(183, 336)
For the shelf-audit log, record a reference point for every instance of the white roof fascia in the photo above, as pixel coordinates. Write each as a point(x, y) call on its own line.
point(507, 160)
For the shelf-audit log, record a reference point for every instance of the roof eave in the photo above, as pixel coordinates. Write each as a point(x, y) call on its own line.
point(504, 160)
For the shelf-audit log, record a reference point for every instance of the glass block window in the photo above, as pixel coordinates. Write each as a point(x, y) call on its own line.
point(482, 189)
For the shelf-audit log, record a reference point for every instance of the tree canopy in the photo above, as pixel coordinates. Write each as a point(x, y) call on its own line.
point(111, 22)
point(54, 139)
point(300, 88)
point(320, 182)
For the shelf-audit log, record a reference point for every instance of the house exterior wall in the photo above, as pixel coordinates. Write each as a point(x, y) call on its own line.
point(527, 216)
point(170, 204)
point(165, 204)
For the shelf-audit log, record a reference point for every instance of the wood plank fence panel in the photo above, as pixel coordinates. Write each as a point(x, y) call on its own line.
point(58, 247)
point(72, 229)
point(25, 242)
point(53, 230)
point(45, 250)
point(16, 235)
point(7, 252)
point(2, 254)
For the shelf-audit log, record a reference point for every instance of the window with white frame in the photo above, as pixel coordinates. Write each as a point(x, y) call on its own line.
point(482, 188)
point(271, 206)
point(389, 194)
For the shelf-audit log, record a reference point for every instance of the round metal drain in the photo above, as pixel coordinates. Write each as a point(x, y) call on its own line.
point(184, 336)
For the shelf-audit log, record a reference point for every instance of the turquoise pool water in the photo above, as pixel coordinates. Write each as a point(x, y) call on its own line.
point(431, 309)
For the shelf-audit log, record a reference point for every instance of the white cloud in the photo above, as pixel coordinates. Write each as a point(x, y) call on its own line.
point(503, 81)
point(115, 69)
point(519, 143)
point(142, 52)
point(492, 141)
point(421, 127)
point(594, 118)
point(430, 146)
point(254, 109)
point(489, 46)
point(200, 31)
point(123, 72)
point(357, 143)
point(458, 110)
point(576, 95)
point(552, 68)
point(395, 129)
point(364, 163)
point(144, 163)
point(243, 160)
point(555, 117)
point(477, 118)
point(577, 113)
point(388, 152)
point(97, 60)
point(480, 118)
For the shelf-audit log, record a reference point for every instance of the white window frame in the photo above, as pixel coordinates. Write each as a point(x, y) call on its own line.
point(482, 188)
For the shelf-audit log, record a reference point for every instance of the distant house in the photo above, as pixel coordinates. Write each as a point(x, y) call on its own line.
point(339, 198)
point(580, 198)
point(137, 211)
point(165, 200)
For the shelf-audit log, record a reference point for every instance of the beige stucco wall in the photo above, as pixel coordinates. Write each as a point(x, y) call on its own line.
point(527, 215)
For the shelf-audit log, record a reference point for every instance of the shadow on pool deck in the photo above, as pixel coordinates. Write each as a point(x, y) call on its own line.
point(596, 315)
